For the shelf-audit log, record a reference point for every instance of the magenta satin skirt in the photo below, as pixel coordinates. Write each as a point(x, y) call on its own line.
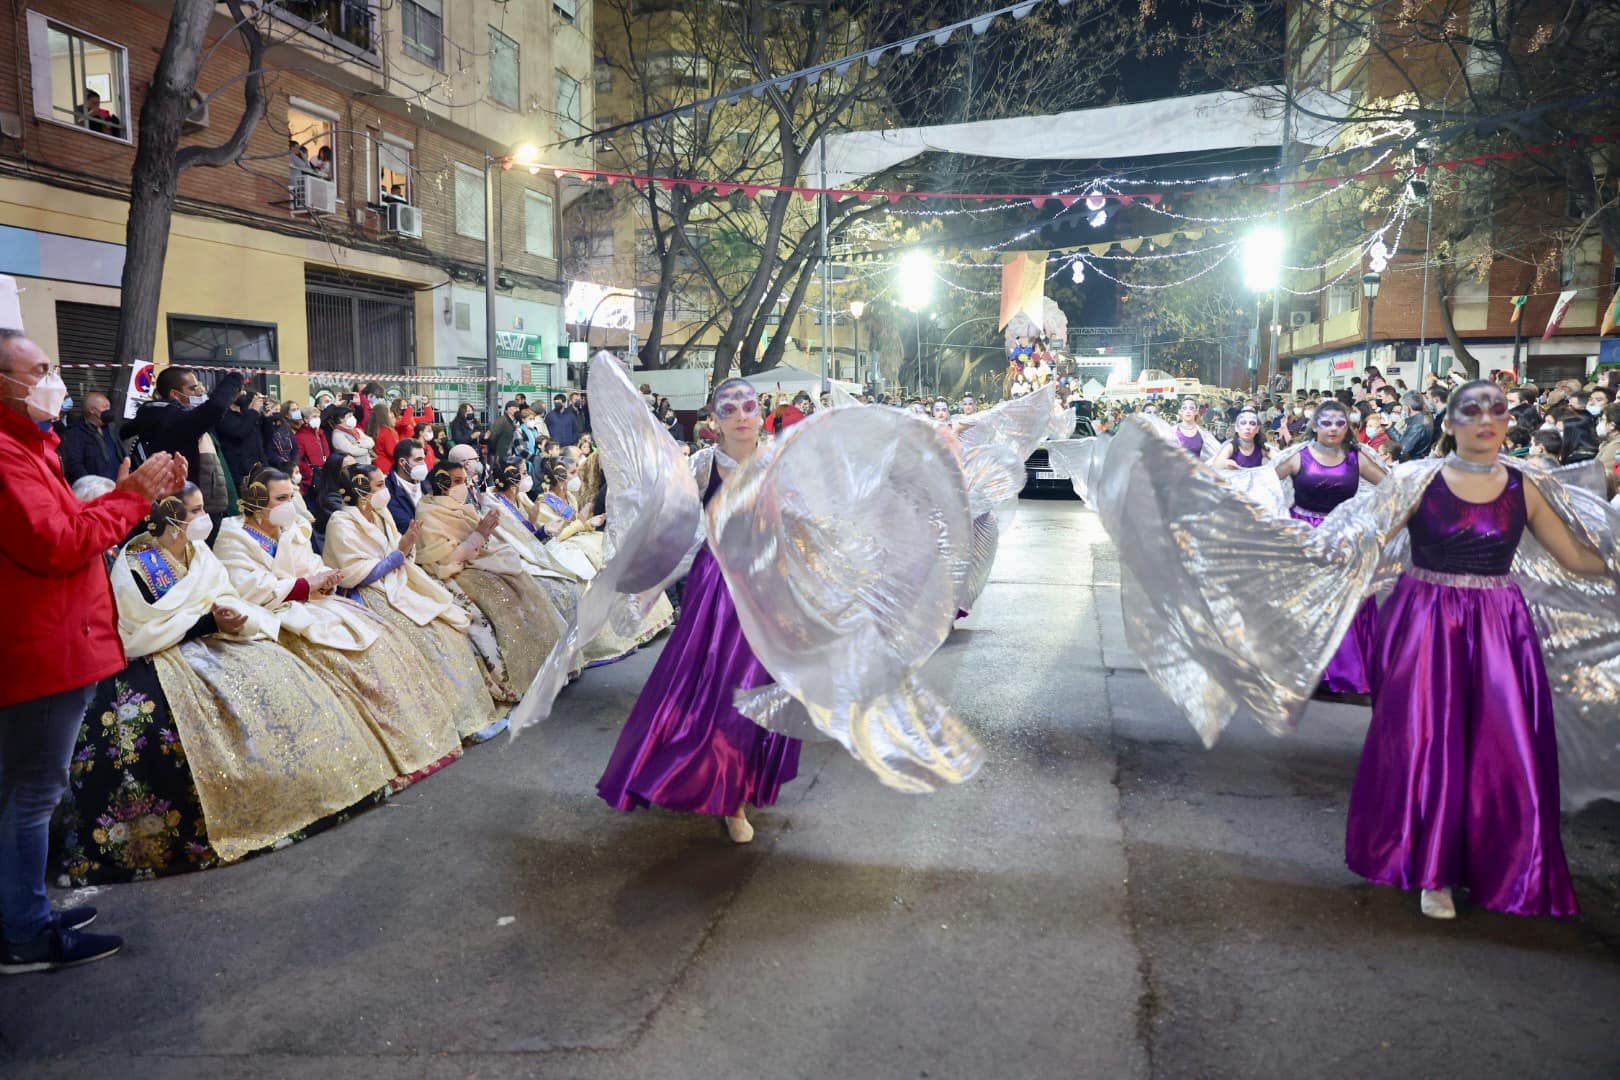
point(1349, 671)
point(1458, 783)
point(685, 747)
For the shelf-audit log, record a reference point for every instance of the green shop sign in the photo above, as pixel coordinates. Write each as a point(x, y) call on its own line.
point(512, 345)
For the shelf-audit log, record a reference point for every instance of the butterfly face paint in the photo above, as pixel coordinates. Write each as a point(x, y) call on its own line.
point(736, 408)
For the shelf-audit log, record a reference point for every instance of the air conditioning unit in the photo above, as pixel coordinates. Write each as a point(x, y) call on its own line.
point(405, 220)
point(313, 195)
point(1297, 319)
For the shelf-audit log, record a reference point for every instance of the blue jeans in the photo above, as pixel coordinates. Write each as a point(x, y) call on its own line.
point(36, 747)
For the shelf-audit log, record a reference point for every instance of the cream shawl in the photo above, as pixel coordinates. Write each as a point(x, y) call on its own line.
point(148, 628)
point(354, 546)
point(268, 580)
point(446, 524)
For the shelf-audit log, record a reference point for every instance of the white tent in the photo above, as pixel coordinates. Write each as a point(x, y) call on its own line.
point(789, 380)
point(1224, 120)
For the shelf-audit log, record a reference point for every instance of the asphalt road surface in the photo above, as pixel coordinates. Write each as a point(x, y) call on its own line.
point(1106, 898)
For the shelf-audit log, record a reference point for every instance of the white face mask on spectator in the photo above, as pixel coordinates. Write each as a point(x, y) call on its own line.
point(46, 396)
point(379, 499)
point(418, 473)
point(197, 399)
point(574, 484)
point(198, 528)
point(526, 484)
point(350, 422)
point(295, 416)
point(282, 515)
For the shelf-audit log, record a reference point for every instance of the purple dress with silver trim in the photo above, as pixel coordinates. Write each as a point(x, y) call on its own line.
point(1458, 782)
point(1193, 444)
point(1318, 489)
point(685, 747)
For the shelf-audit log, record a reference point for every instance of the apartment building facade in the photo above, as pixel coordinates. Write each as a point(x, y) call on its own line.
point(1325, 325)
point(350, 236)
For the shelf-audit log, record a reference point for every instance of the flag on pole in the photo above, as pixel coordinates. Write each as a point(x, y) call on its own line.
point(1023, 287)
point(1518, 307)
point(1612, 315)
point(1559, 310)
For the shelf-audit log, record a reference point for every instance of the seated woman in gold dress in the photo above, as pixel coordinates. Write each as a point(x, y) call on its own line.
point(374, 666)
point(215, 741)
point(378, 565)
point(460, 545)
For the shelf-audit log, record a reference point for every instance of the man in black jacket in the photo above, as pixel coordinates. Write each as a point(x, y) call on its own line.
point(241, 435)
point(181, 420)
point(1417, 434)
point(88, 446)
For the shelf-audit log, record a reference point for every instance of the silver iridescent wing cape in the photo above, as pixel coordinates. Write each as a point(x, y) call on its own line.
point(840, 544)
point(1234, 608)
point(994, 446)
point(653, 512)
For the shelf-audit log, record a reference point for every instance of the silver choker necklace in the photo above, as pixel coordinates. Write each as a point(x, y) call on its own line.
point(1462, 464)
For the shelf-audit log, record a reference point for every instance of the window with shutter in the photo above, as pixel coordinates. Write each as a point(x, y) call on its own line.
point(469, 201)
point(503, 70)
point(539, 229)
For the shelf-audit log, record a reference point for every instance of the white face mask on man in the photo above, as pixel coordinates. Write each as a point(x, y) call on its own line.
point(44, 397)
point(418, 472)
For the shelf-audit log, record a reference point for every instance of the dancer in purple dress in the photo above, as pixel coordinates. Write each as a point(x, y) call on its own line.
point(1320, 484)
point(685, 746)
point(1458, 783)
point(1193, 439)
point(1247, 449)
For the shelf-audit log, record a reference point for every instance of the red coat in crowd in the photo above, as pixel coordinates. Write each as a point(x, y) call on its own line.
point(313, 442)
point(63, 631)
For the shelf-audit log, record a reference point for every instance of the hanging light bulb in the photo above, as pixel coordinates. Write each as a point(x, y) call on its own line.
point(1078, 270)
point(1098, 220)
point(1095, 202)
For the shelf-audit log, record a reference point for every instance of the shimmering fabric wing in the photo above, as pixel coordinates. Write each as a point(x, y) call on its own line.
point(1080, 461)
point(653, 512)
point(1578, 618)
point(1229, 607)
point(998, 442)
point(837, 543)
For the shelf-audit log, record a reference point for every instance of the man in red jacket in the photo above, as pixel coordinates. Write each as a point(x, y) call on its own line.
point(62, 640)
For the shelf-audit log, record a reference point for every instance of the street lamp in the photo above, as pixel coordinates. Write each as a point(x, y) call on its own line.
point(857, 308)
point(528, 156)
point(1369, 288)
point(916, 274)
point(1262, 273)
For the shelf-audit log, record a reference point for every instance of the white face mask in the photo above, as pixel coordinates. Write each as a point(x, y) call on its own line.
point(198, 528)
point(526, 484)
point(282, 515)
point(197, 399)
point(379, 499)
point(418, 473)
point(574, 484)
point(295, 416)
point(46, 396)
point(350, 422)
point(457, 494)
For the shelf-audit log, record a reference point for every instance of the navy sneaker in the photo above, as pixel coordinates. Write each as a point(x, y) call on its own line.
point(55, 948)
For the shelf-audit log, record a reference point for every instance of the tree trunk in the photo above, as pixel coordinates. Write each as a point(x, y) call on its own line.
point(1459, 351)
point(153, 184)
point(778, 345)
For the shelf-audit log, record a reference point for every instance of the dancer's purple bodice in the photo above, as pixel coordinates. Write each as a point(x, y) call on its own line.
point(1319, 488)
point(1252, 460)
point(1193, 444)
point(1452, 536)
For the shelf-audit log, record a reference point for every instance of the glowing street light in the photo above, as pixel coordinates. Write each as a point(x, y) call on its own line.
point(1262, 258)
point(916, 280)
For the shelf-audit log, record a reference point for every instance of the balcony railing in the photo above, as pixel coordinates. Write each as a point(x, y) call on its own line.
point(342, 22)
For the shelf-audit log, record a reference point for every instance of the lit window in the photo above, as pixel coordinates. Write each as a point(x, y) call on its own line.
point(503, 69)
point(310, 141)
point(570, 117)
point(422, 22)
point(393, 172)
point(78, 80)
point(539, 229)
point(469, 201)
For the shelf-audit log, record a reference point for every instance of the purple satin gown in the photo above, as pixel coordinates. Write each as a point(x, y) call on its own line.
point(685, 747)
point(1193, 444)
point(1318, 489)
point(1458, 783)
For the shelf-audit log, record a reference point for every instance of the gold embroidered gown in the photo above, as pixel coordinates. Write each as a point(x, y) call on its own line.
point(362, 658)
point(410, 600)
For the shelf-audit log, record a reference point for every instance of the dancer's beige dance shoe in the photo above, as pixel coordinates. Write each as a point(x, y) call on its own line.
point(739, 830)
point(1437, 904)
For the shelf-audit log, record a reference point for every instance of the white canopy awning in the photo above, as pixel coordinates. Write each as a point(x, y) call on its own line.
point(1224, 120)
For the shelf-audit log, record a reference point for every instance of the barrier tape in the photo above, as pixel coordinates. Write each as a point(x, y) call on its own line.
point(349, 376)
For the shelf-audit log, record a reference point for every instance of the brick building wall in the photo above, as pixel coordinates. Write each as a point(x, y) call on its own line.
point(257, 186)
